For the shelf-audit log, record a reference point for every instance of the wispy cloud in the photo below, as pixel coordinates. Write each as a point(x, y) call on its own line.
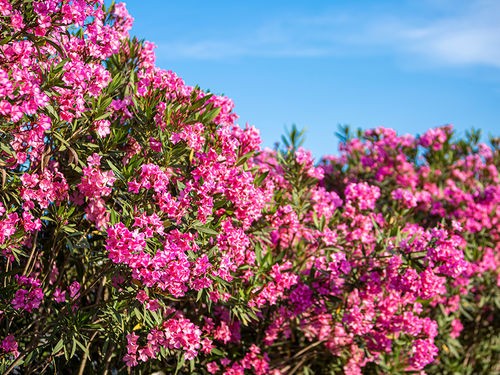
point(451, 33)
point(285, 37)
point(469, 36)
point(224, 49)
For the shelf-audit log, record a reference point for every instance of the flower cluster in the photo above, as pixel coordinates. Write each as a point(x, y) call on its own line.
point(29, 296)
point(141, 226)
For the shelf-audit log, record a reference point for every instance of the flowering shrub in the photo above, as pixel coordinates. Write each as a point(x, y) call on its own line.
point(142, 229)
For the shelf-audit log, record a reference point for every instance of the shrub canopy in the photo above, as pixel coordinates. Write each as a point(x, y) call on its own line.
point(142, 229)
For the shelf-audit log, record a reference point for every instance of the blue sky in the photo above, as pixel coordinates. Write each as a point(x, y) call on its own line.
point(408, 65)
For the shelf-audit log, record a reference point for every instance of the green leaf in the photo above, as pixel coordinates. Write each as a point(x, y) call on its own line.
point(117, 81)
point(259, 179)
point(68, 229)
point(242, 160)
point(200, 102)
point(114, 217)
point(104, 103)
point(191, 366)
point(58, 347)
point(198, 296)
point(206, 230)
point(6, 148)
point(73, 348)
point(258, 253)
point(211, 115)
point(103, 116)
point(218, 352)
point(52, 112)
point(65, 143)
point(115, 170)
point(137, 313)
point(83, 347)
point(180, 363)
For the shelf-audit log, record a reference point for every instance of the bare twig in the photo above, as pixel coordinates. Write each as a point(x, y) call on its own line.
point(33, 248)
point(85, 356)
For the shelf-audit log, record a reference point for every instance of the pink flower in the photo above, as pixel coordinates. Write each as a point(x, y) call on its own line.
point(212, 367)
point(206, 345)
point(30, 296)
point(456, 328)
point(146, 353)
point(222, 333)
point(362, 195)
point(102, 127)
point(142, 296)
point(9, 345)
point(423, 352)
point(153, 305)
point(408, 199)
point(130, 360)
point(16, 21)
point(155, 144)
point(132, 343)
point(59, 296)
point(74, 290)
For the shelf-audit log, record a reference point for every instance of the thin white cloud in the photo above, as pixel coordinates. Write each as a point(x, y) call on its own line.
point(214, 50)
point(449, 33)
point(286, 37)
point(470, 36)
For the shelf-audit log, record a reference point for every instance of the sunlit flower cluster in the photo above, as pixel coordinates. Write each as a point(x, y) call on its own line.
point(141, 226)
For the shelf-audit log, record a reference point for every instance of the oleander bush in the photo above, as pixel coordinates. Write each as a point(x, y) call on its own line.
point(141, 229)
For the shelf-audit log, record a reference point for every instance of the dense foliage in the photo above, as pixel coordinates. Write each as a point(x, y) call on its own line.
point(141, 229)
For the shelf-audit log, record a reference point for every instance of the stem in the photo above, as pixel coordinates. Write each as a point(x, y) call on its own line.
point(107, 360)
point(85, 357)
point(14, 364)
point(6, 271)
point(99, 295)
point(33, 247)
point(54, 251)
